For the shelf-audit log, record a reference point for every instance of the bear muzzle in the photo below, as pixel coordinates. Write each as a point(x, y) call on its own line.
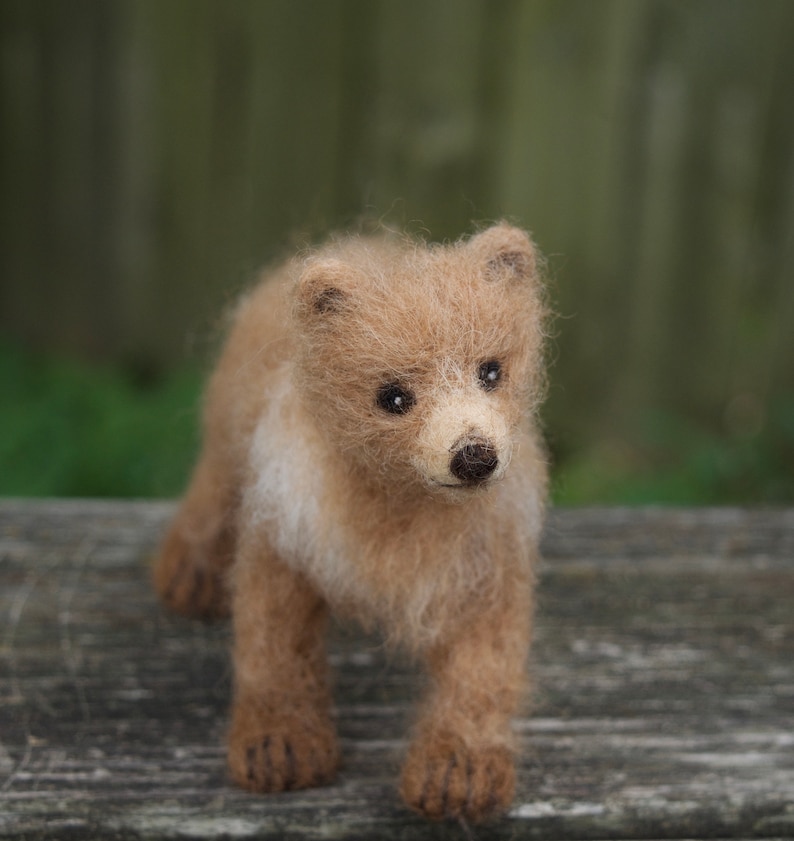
point(464, 444)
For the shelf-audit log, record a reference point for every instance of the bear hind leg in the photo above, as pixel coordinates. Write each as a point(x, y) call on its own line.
point(192, 565)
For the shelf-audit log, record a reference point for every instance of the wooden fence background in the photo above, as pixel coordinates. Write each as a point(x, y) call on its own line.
point(154, 152)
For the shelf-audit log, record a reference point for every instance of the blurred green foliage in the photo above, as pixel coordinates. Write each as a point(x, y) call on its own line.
point(676, 460)
point(73, 429)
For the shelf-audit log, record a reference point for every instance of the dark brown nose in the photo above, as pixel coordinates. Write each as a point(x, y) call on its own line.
point(474, 462)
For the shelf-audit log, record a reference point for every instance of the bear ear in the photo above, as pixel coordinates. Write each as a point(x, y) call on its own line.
point(505, 252)
point(324, 287)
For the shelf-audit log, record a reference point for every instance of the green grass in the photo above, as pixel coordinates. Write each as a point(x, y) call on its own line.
point(71, 429)
point(673, 460)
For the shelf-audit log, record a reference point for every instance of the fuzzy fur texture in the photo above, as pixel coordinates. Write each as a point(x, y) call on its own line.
point(370, 447)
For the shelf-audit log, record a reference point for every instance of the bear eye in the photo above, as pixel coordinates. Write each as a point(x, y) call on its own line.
point(489, 374)
point(395, 399)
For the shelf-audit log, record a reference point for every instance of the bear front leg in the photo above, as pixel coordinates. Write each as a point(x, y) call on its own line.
point(460, 764)
point(281, 735)
point(191, 567)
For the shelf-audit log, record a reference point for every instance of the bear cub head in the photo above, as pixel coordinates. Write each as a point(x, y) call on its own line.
point(422, 364)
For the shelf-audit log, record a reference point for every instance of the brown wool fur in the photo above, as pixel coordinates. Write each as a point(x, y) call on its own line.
point(309, 496)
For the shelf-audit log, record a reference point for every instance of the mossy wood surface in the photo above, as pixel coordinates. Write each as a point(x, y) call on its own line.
point(664, 689)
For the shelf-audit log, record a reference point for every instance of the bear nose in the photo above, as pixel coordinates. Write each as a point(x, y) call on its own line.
point(474, 462)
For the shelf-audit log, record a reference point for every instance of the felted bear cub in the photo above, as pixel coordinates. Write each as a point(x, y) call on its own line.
point(370, 447)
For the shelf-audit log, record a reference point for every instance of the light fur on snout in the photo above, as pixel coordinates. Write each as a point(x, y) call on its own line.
point(459, 418)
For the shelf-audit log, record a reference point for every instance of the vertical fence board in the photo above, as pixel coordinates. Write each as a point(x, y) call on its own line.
point(21, 156)
point(135, 241)
point(427, 130)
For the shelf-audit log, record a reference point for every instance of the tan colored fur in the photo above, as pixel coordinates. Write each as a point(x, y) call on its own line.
point(309, 496)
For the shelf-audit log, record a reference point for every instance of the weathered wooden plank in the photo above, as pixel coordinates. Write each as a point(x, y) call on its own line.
point(664, 699)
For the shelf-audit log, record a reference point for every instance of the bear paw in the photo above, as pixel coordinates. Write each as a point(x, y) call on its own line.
point(284, 756)
point(187, 585)
point(470, 783)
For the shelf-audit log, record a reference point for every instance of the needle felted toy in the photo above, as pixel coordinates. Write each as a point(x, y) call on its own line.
point(370, 449)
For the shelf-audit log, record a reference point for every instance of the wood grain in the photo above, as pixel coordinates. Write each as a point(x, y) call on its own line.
point(664, 689)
